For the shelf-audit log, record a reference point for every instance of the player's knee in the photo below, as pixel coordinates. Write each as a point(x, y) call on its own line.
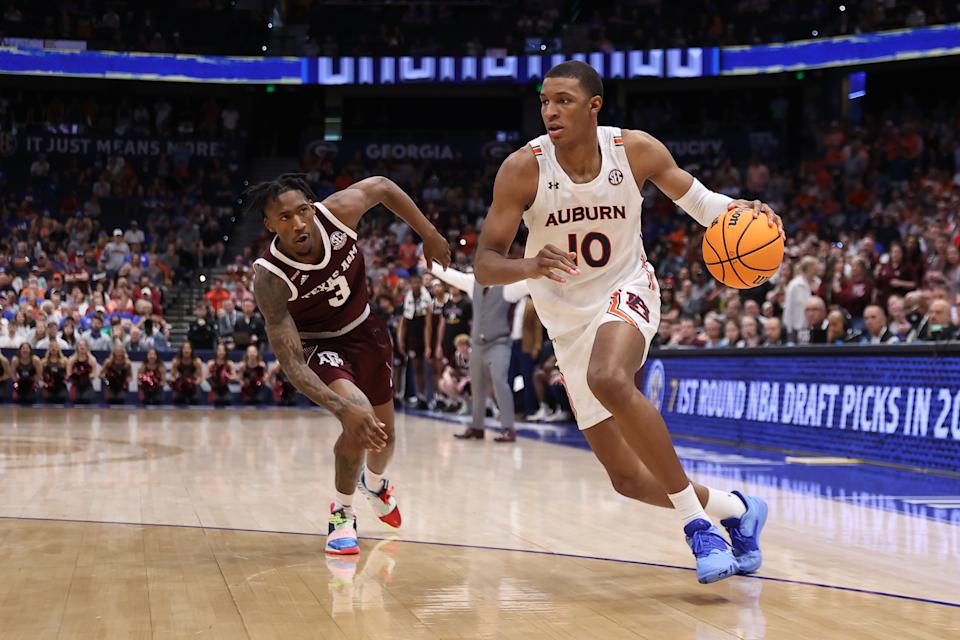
point(632, 484)
point(623, 483)
point(607, 384)
point(348, 446)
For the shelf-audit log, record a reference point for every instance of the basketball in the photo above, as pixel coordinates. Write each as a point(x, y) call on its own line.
point(741, 251)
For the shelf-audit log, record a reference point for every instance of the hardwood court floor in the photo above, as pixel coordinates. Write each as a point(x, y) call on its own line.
point(161, 523)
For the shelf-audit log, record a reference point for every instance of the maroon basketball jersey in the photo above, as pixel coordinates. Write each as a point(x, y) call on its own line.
point(330, 297)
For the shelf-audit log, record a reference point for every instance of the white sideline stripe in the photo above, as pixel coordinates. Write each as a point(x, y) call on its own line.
point(825, 460)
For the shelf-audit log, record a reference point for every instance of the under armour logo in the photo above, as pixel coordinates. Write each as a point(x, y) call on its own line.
point(553, 185)
point(303, 278)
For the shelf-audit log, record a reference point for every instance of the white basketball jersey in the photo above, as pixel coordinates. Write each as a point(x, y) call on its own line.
point(598, 220)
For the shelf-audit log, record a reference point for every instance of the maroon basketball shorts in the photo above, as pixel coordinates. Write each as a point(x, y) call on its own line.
point(364, 356)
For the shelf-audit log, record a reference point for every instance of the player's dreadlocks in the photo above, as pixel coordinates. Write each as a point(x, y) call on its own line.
point(258, 196)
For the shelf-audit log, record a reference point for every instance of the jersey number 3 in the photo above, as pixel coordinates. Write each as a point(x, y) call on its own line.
point(341, 293)
point(586, 248)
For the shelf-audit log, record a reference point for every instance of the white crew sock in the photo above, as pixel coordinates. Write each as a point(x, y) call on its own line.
point(374, 481)
point(687, 505)
point(722, 505)
point(344, 500)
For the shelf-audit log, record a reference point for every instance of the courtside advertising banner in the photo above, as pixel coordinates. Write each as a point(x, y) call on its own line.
point(895, 409)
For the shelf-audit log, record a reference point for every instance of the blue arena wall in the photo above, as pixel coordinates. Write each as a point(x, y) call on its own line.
point(868, 48)
point(896, 405)
point(688, 62)
point(152, 66)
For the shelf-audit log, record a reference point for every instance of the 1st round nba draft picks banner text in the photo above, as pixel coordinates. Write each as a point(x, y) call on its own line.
point(894, 409)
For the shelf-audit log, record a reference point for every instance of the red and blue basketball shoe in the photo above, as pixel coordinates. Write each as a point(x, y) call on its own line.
point(342, 533)
point(382, 500)
point(745, 533)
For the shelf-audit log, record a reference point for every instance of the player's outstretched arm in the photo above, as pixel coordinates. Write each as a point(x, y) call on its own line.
point(651, 160)
point(355, 412)
point(350, 204)
point(514, 190)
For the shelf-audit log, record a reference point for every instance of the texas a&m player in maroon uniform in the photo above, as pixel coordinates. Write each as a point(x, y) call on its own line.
point(311, 287)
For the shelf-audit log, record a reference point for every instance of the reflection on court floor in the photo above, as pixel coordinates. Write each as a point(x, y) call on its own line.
point(175, 523)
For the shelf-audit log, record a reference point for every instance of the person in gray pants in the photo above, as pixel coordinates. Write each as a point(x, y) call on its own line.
point(491, 346)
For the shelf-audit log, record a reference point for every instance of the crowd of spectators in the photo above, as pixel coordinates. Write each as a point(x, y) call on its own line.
point(872, 256)
point(77, 114)
point(76, 346)
point(54, 373)
point(95, 248)
point(535, 26)
point(97, 333)
point(198, 26)
point(872, 251)
point(424, 27)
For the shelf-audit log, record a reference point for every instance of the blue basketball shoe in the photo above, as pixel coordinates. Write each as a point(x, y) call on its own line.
point(715, 560)
point(745, 533)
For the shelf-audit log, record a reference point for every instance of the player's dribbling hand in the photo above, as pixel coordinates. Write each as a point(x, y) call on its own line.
point(760, 207)
point(551, 262)
point(436, 249)
point(365, 426)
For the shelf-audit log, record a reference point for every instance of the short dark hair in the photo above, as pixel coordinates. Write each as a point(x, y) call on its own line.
point(256, 197)
point(587, 75)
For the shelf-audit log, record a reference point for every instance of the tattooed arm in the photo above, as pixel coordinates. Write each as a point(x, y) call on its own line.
point(355, 413)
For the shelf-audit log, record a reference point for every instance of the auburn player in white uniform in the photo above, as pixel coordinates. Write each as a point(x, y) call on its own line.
point(577, 188)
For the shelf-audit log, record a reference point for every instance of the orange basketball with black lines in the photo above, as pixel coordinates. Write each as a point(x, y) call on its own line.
point(741, 251)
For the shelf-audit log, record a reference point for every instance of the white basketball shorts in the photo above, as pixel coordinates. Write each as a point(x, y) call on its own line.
point(637, 304)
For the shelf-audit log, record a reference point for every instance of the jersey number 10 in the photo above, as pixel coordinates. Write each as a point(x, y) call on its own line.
point(586, 248)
